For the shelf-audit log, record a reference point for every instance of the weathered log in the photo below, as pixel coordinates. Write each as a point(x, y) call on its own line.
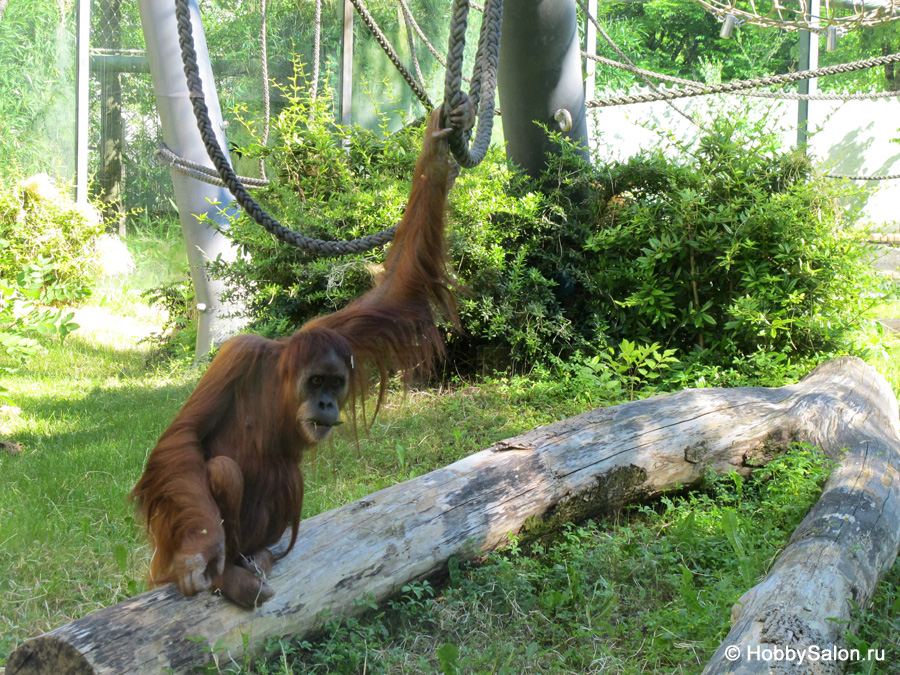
point(580, 467)
point(792, 622)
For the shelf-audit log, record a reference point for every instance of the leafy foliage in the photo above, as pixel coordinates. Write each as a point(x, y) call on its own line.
point(735, 248)
point(46, 258)
point(25, 313)
point(178, 333)
point(727, 245)
point(679, 37)
point(39, 222)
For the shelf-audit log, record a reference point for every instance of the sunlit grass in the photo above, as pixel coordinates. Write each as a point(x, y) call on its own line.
point(93, 406)
point(91, 410)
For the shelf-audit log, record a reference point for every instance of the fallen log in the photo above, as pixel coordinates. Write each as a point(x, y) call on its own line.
point(587, 465)
point(792, 622)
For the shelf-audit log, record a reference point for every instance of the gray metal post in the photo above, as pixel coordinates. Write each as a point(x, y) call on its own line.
point(808, 60)
point(82, 103)
point(539, 80)
point(193, 198)
point(346, 63)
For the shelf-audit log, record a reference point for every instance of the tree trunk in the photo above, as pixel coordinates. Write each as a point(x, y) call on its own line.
point(581, 467)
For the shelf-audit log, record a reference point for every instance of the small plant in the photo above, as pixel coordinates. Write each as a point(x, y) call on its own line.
point(178, 332)
point(879, 626)
point(26, 313)
point(38, 221)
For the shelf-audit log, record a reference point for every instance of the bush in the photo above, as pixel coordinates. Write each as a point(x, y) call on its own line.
point(728, 248)
point(25, 314)
point(735, 248)
point(46, 261)
point(38, 221)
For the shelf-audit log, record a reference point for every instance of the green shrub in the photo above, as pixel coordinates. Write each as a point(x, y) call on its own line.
point(734, 247)
point(728, 247)
point(25, 314)
point(37, 220)
point(46, 261)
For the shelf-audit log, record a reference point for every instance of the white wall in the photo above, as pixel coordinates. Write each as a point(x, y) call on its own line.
point(849, 137)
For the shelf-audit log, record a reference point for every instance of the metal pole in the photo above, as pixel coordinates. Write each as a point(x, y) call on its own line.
point(347, 63)
point(540, 81)
point(590, 46)
point(196, 200)
point(809, 59)
point(82, 100)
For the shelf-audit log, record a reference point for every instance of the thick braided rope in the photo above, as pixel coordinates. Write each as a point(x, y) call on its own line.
point(628, 61)
point(385, 44)
point(167, 157)
point(766, 94)
point(894, 176)
point(789, 96)
point(484, 78)
point(730, 87)
point(201, 112)
point(793, 96)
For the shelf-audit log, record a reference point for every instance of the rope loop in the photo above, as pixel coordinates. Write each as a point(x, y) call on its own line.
point(232, 182)
point(484, 78)
point(483, 87)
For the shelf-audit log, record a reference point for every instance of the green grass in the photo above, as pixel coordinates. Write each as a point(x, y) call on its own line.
point(650, 593)
point(90, 413)
point(91, 410)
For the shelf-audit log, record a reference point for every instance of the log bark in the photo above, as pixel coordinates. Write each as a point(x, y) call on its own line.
point(792, 622)
point(585, 466)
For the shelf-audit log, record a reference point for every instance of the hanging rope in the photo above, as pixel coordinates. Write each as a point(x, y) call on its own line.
point(691, 85)
point(267, 110)
point(484, 82)
point(732, 87)
point(894, 176)
point(625, 58)
point(794, 96)
point(786, 95)
point(382, 40)
point(484, 78)
point(232, 182)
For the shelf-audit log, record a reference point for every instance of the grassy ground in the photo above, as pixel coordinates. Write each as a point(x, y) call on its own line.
point(648, 594)
point(90, 409)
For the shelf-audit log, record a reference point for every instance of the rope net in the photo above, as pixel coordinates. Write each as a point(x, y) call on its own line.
point(483, 86)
